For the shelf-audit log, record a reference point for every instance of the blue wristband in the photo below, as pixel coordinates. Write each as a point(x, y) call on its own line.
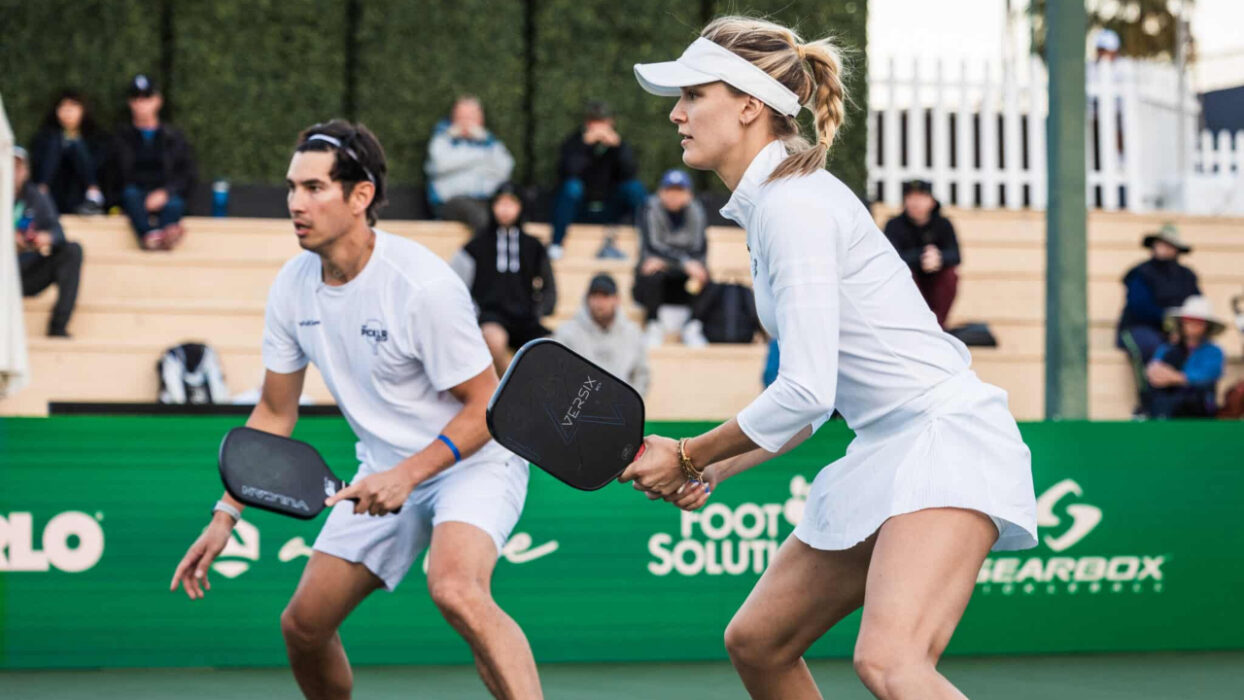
point(452, 447)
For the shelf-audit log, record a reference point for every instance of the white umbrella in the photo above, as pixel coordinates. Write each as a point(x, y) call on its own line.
point(14, 363)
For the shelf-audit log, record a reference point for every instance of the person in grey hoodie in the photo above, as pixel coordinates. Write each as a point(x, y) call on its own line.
point(466, 164)
point(607, 337)
point(673, 233)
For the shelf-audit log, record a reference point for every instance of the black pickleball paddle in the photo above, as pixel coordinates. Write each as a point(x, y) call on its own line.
point(275, 473)
point(567, 416)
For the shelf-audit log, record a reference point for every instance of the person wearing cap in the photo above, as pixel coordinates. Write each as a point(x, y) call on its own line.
point(672, 254)
point(1152, 287)
point(937, 475)
point(510, 278)
point(1107, 44)
point(154, 168)
point(466, 164)
point(596, 174)
point(927, 243)
point(44, 257)
point(1182, 379)
point(603, 334)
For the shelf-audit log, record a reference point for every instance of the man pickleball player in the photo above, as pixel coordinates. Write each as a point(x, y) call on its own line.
point(392, 330)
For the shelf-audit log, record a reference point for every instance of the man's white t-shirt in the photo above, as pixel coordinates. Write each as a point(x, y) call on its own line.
point(390, 343)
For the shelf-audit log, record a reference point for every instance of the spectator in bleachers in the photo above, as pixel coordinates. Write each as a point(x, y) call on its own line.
point(1107, 44)
point(44, 257)
point(510, 278)
point(603, 334)
point(67, 154)
point(1153, 287)
point(154, 169)
point(927, 243)
point(466, 163)
point(597, 176)
point(1183, 376)
point(672, 255)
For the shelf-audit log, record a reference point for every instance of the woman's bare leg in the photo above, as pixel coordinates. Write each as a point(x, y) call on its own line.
point(804, 592)
point(922, 574)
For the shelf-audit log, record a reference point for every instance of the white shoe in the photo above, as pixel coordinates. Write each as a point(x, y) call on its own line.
point(654, 335)
point(693, 335)
point(555, 252)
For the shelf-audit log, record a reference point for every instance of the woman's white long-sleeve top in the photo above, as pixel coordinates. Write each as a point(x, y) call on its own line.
point(854, 333)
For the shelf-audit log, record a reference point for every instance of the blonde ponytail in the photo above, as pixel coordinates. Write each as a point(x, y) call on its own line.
point(813, 71)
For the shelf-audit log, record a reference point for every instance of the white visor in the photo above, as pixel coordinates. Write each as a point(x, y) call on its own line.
point(706, 62)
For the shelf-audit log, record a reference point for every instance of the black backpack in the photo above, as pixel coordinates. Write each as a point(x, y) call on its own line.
point(728, 312)
point(190, 374)
point(974, 335)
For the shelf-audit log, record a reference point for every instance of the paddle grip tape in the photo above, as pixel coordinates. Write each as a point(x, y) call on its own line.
point(452, 447)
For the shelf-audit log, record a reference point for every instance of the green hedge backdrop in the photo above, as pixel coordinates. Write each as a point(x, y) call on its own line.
point(241, 77)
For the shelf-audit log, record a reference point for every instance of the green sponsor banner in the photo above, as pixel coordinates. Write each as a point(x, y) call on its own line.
point(1140, 551)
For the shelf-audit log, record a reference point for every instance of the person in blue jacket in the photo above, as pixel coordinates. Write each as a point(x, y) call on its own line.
point(1183, 375)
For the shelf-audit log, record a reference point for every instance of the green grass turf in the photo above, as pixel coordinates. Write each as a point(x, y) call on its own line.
point(1204, 676)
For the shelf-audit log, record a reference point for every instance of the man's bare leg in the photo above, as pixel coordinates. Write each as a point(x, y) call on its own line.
point(329, 589)
point(498, 341)
point(460, 565)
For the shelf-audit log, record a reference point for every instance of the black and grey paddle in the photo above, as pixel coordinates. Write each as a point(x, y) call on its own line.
point(567, 416)
point(276, 473)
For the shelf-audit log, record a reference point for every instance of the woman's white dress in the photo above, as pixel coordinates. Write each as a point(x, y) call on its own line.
point(856, 336)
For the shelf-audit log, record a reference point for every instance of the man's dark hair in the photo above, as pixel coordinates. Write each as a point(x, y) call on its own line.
point(359, 158)
point(597, 111)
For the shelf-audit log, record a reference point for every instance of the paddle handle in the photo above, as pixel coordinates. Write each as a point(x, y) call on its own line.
point(341, 485)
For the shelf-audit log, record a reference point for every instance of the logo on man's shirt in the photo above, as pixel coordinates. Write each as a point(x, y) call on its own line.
point(375, 333)
point(308, 323)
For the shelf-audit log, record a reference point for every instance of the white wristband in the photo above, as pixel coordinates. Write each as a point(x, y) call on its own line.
point(225, 507)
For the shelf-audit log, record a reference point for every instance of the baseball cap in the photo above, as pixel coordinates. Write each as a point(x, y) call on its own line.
point(1108, 40)
point(597, 110)
point(141, 86)
point(19, 152)
point(676, 178)
point(917, 186)
point(602, 284)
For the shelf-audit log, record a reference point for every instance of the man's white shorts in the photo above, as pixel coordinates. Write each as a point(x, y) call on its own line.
point(488, 495)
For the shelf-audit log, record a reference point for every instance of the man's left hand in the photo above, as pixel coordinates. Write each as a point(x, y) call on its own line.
point(377, 494)
point(696, 271)
point(156, 199)
point(609, 136)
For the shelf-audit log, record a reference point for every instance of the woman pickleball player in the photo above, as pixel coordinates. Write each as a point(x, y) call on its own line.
point(937, 474)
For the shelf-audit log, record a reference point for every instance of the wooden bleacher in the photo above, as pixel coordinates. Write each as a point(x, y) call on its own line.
point(133, 304)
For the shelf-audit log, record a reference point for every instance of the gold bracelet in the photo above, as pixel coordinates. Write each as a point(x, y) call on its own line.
point(688, 469)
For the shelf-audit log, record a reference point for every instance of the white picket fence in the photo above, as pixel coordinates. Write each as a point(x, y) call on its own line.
point(977, 132)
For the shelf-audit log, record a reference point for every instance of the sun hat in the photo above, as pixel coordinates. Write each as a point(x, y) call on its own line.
point(1200, 308)
point(1168, 234)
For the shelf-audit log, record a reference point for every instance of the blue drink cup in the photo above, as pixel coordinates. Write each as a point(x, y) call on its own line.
point(220, 198)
